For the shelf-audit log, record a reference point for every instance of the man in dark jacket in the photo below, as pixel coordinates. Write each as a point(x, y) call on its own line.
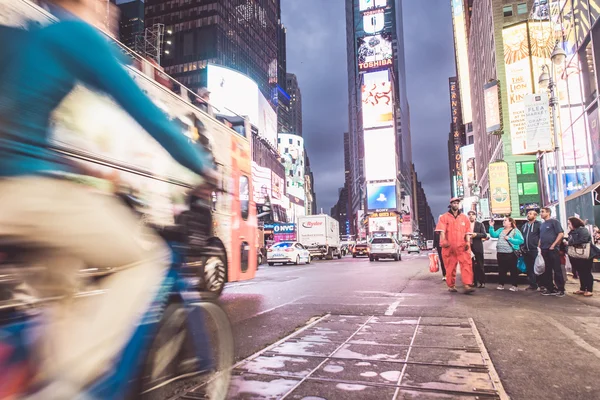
point(531, 234)
point(438, 247)
point(477, 238)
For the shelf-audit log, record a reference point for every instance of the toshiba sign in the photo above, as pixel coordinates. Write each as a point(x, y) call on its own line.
point(310, 224)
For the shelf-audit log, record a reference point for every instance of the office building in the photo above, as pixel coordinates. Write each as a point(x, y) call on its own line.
point(131, 23)
point(295, 110)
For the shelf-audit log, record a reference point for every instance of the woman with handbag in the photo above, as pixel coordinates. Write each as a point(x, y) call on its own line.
point(580, 242)
point(510, 240)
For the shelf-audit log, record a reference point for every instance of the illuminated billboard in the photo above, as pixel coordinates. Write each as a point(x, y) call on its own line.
point(233, 93)
point(518, 82)
point(291, 148)
point(368, 4)
point(462, 58)
point(467, 155)
point(491, 99)
point(377, 100)
point(261, 183)
point(387, 224)
point(375, 51)
point(380, 154)
point(499, 188)
point(373, 21)
point(381, 196)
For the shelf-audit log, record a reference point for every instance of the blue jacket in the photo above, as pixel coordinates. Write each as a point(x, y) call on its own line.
point(515, 239)
point(38, 69)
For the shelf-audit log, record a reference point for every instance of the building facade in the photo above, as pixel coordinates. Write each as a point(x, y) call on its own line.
point(295, 108)
point(379, 133)
point(241, 35)
point(339, 211)
point(131, 23)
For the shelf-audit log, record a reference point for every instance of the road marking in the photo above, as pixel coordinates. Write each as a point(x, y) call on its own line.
point(574, 337)
point(392, 308)
point(272, 309)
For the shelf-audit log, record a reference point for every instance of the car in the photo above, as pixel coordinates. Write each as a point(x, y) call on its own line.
point(361, 249)
point(288, 253)
point(490, 260)
point(413, 248)
point(384, 247)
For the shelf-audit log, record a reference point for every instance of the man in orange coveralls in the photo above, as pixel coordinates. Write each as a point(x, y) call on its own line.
point(454, 226)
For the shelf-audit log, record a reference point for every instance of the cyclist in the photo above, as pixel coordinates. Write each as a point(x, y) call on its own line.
point(71, 225)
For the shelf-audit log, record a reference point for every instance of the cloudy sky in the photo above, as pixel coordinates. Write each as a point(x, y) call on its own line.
point(316, 53)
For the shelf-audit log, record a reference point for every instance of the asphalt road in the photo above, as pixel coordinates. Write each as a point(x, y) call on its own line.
point(541, 347)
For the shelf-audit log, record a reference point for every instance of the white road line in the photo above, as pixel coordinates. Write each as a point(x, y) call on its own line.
point(578, 340)
point(272, 309)
point(392, 308)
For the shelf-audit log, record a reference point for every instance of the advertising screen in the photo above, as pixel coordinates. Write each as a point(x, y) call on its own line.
point(368, 4)
point(380, 154)
point(233, 93)
point(491, 97)
point(277, 188)
point(387, 224)
point(467, 155)
point(462, 58)
point(499, 188)
point(381, 196)
point(374, 51)
point(261, 183)
point(518, 82)
point(291, 148)
point(377, 100)
point(373, 21)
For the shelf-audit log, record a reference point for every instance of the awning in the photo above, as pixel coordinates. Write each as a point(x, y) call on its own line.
point(581, 192)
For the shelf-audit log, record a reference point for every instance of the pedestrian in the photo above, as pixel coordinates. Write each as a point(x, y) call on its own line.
point(509, 240)
point(531, 235)
point(438, 248)
point(454, 228)
point(477, 238)
point(580, 236)
point(551, 235)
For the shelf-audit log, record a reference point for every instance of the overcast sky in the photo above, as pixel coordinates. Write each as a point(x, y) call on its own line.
point(316, 53)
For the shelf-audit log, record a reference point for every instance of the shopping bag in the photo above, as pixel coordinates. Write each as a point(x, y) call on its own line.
point(539, 266)
point(521, 265)
point(433, 262)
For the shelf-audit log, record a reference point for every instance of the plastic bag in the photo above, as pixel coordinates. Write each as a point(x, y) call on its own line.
point(539, 266)
point(521, 265)
point(433, 262)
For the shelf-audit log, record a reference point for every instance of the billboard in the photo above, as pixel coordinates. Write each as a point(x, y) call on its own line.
point(518, 82)
point(373, 21)
point(261, 183)
point(499, 188)
point(377, 100)
point(368, 4)
point(381, 196)
point(380, 154)
point(387, 224)
point(491, 98)
point(462, 58)
point(458, 137)
point(594, 121)
point(291, 148)
point(233, 93)
point(537, 122)
point(277, 188)
point(375, 51)
point(467, 155)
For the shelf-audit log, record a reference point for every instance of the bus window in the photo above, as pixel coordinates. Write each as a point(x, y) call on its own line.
point(244, 197)
point(245, 256)
point(214, 201)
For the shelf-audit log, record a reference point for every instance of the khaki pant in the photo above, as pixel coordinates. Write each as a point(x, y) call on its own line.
point(74, 227)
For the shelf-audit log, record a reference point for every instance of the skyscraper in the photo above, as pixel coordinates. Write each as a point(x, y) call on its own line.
point(379, 121)
point(241, 35)
point(295, 111)
point(132, 21)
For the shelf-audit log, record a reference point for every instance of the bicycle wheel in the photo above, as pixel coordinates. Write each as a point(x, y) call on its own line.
point(173, 366)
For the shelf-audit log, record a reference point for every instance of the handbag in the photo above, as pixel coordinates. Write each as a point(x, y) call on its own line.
point(521, 265)
point(518, 252)
point(581, 251)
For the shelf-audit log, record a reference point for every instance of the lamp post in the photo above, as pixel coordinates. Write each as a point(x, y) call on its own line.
point(546, 81)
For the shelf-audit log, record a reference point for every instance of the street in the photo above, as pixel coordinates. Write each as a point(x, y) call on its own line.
point(541, 347)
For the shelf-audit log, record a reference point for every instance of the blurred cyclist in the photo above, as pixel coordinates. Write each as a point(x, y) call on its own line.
point(70, 225)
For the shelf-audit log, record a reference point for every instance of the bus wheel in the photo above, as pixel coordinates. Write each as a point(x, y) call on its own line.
point(215, 273)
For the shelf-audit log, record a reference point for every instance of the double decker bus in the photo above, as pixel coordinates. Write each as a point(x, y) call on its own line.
point(92, 129)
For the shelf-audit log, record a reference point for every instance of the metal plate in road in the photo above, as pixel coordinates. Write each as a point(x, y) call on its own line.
point(371, 357)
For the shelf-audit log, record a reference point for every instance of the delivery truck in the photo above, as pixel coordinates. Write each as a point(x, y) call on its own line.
point(320, 234)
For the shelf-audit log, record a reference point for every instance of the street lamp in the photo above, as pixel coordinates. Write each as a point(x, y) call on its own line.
point(546, 81)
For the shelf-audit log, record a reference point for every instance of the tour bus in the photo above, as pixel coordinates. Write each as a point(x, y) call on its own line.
point(93, 130)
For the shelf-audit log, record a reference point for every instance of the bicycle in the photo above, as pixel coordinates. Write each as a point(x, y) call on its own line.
point(184, 337)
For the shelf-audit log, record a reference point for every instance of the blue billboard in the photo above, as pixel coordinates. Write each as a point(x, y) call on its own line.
point(381, 196)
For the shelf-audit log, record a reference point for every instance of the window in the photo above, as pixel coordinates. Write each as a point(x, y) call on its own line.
point(244, 197)
point(508, 11)
point(525, 168)
point(521, 8)
point(528, 188)
point(291, 142)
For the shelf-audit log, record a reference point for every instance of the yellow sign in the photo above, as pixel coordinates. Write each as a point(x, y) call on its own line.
point(499, 188)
